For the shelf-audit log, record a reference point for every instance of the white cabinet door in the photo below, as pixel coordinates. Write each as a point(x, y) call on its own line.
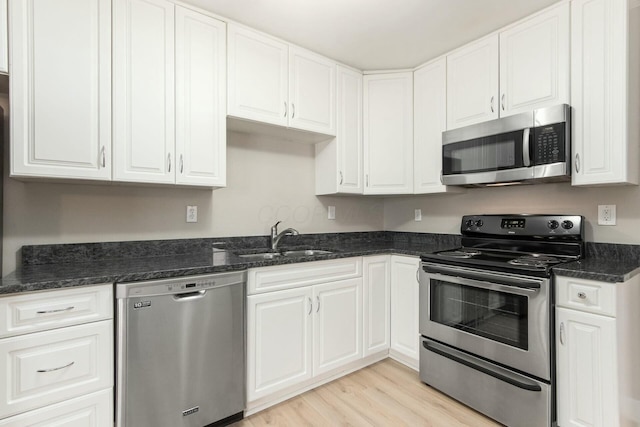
point(4, 32)
point(604, 92)
point(429, 121)
point(472, 83)
point(377, 318)
point(404, 308)
point(60, 89)
point(339, 160)
point(534, 62)
point(586, 369)
point(201, 126)
point(258, 77)
point(143, 93)
point(388, 133)
point(312, 92)
point(278, 340)
point(337, 325)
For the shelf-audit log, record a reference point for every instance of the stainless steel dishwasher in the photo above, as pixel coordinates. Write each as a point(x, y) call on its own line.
point(180, 351)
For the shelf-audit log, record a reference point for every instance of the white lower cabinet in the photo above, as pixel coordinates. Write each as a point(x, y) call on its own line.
point(596, 359)
point(58, 358)
point(377, 317)
point(278, 340)
point(404, 310)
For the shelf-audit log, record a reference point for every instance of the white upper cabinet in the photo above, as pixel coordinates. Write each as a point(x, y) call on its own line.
point(312, 92)
point(522, 68)
point(472, 83)
point(388, 133)
point(276, 83)
point(4, 47)
point(201, 127)
point(605, 90)
point(258, 77)
point(429, 121)
point(143, 68)
point(534, 62)
point(339, 160)
point(60, 89)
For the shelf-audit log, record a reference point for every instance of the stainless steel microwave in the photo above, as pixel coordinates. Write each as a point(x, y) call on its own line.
point(528, 147)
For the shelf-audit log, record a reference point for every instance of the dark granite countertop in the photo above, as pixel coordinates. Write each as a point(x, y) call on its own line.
point(47, 267)
point(59, 266)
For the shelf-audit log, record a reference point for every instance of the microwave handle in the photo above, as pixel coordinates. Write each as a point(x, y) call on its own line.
point(526, 157)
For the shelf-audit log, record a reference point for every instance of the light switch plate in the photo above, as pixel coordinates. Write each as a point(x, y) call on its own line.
point(331, 213)
point(417, 214)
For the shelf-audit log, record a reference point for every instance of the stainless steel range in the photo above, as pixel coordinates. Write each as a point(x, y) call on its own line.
point(486, 315)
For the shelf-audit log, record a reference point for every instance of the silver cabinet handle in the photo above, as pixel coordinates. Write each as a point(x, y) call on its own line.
point(285, 109)
point(341, 178)
point(310, 306)
point(169, 163)
point(58, 310)
point(562, 333)
point(55, 369)
point(418, 275)
point(104, 157)
point(577, 162)
point(181, 163)
point(293, 110)
point(318, 308)
point(367, 177)
point(503, 102)
point(582, 295)
point(492, 103)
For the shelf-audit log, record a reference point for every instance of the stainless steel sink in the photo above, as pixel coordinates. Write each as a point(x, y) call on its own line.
point(306, 252)
point(273, 255)
point(260, 256)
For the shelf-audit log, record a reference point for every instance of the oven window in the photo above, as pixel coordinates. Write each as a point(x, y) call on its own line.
point(495, 315)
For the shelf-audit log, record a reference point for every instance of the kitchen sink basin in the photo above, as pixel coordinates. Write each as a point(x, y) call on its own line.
point(306, 252)
point(273, 255)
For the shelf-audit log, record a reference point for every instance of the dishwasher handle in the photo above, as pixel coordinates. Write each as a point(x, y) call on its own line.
point(188, 296)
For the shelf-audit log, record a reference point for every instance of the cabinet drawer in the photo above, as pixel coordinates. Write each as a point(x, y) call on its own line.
point(288, 276)
point(25, 313)
point(93, 410)
point(586, 295)
point(49, 367)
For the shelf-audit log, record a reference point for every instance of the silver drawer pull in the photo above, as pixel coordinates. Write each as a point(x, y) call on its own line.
point(55, 369)
point(582, 295)
point(58, 310)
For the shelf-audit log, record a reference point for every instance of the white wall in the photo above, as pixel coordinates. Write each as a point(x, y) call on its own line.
point(442, 213)
point(267, 180)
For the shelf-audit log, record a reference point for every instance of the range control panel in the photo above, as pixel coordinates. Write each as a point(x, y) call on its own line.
point(552, 226)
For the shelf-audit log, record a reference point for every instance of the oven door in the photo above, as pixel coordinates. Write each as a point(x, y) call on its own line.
point(502, 317)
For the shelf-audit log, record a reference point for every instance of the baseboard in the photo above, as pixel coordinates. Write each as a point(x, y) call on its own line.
point(404, 359)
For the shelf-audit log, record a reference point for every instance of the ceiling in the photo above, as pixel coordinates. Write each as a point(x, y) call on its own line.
point(376, 34)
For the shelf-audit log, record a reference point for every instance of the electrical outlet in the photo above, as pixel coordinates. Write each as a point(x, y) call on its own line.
point(192, 214)
point(606, 214)
point(417, 214)
point(331, 214)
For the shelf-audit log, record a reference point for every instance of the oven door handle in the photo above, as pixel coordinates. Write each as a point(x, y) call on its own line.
point(481, 366)
point(527, 285)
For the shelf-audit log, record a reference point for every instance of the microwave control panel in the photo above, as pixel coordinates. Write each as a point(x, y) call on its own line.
point(549, 144)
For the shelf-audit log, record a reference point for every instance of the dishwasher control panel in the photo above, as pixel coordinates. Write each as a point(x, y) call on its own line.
point(178, 285)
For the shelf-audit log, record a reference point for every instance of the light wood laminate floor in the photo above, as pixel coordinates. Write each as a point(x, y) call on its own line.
point(384, 394)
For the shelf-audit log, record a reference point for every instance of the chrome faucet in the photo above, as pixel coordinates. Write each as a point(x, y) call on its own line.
point(275, 236)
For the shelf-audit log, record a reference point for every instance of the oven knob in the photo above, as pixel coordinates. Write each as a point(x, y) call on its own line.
point(553, 224)
point(469, 223)
point(567, 225)
point(479, 223)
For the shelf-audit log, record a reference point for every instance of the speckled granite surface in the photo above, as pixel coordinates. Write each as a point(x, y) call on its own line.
point(604, 262)
point(58, 266)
